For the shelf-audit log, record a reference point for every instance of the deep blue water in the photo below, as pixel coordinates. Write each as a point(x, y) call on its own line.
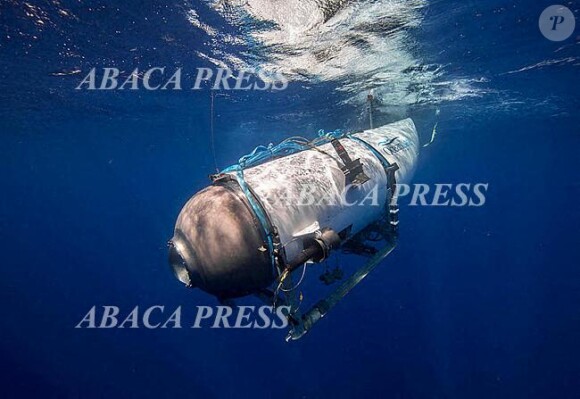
point(475, 302)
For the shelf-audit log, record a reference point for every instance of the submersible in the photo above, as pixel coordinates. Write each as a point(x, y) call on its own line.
point(271, 213)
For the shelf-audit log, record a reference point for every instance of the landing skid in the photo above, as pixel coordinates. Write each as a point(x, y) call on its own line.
point(303, 324)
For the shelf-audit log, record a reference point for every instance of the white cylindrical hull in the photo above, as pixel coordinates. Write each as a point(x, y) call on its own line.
point(306, 191)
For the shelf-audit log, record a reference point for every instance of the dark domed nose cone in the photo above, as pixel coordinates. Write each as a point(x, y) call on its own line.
point(218, 244)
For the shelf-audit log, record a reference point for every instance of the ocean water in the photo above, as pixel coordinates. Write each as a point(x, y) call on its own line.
point(475, 302)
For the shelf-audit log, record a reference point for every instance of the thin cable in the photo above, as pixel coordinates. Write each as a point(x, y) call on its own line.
point(211, 127)
point(434, 132)
point(370, 99)
point(299, 282)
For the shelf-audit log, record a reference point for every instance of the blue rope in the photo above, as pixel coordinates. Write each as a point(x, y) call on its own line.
point(289, 146)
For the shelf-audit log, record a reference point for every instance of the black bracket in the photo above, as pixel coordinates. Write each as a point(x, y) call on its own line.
point(353, 170)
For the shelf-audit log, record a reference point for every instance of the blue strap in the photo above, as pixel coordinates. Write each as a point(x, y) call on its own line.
point(376, 153)
point(258, 211)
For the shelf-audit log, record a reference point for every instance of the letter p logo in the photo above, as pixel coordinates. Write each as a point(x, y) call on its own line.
point(558, 19)
point(557, 23)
